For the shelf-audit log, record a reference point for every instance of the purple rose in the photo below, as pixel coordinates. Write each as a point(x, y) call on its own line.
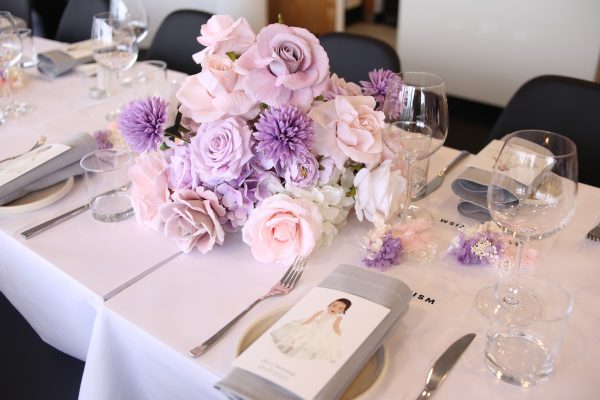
point(192, 219)
point(179, 170)
point(303, 170)
point(220, 150)
point(287, 65)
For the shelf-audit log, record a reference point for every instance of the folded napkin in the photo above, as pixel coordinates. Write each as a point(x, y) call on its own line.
point(57, 62)
point(51, 172)
point(374, 286)
point(471, 186)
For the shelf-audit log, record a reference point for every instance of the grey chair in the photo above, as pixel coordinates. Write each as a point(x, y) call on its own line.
point(175, 41)
point(76, 22)
point(353, 56)
point(568, 106)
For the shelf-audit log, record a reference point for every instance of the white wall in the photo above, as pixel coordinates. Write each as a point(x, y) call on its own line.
point(485, 49)
point(255, 11)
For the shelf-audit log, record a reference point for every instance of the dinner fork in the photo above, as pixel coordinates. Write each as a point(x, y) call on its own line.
point(594, 234)
point(285, 285)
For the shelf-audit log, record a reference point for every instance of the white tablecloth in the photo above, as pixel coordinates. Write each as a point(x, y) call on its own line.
point(58, 279)
point(142, 336)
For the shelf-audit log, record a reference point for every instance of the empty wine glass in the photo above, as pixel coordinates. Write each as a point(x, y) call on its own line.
point(531, 196)
point(10, 54)
point(134, 12)
point(416, 112)
point(114, 47)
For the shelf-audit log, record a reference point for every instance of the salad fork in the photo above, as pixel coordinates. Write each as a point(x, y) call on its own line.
point(285, 285)
point(594, 234)
point(39, 142)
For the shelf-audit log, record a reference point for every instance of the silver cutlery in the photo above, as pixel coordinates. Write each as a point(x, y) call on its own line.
point(54, 221)
point(436, 182)
point(443, 365)
point(39, 142)
point(594, 234)
point(285, 285)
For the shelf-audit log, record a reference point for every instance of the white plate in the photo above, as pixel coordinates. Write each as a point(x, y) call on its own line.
point(366, 379)
point(39, 199)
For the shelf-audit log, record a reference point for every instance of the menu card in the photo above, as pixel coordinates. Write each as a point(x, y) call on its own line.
point(304, 349)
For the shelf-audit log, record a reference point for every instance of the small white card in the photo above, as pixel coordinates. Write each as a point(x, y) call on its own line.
point(304, 349)
point(10, 170)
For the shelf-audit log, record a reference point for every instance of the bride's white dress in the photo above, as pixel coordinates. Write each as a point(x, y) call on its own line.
point(315, 340)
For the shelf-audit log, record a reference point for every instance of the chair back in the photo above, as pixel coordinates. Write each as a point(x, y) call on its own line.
point(76, 22)
point(568, 106)
point(18, 8)
point(175, 41)
point(353, 56)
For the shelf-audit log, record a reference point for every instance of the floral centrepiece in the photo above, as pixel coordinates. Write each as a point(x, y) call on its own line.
point(266, 142)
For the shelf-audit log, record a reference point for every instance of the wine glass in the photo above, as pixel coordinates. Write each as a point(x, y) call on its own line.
point(10, 54)
point(134, 12)
point(416, 112)
point(531, 196)
point(114, 47)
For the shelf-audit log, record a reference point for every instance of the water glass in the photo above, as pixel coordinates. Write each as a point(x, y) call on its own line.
point(522, 349)
point(108, 184)
point(29, 57)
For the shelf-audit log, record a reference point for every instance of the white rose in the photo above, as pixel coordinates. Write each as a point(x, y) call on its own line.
point(378, 192)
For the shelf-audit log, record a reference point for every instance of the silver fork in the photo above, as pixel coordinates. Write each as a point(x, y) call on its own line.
point(594, 234)
point(40, 142)
point(285, 285)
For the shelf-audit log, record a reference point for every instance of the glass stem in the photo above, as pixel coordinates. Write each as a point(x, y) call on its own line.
point(512, 297)
point(6, 91)
point(409, 179)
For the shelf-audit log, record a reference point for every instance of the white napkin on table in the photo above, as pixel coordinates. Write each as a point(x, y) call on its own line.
point(51, 172)
point(374, 286)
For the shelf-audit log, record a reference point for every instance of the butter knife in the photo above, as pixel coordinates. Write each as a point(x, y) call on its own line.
point(54, 221)
point(444, 364)
point(436, 182)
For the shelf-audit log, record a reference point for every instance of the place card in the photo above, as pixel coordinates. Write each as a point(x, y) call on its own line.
point(304, 349)
point(11, 170)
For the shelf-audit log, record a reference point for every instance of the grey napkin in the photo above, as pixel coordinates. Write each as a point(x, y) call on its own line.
point(374, 286)
point(471, 186)
point(51, 172)
point(55, 63)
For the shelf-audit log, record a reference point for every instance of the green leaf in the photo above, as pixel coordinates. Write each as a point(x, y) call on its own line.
point(320, 98)
point(280, 18)
point(232, 55)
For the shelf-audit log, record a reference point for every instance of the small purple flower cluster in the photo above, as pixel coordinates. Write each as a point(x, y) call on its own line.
point(383, 253)
point(481, 248)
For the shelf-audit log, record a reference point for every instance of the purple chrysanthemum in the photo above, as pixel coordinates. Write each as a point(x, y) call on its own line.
point(388, 254)
point(102, 138)
point(283, 133)
point(378, 83)
point(141, 123)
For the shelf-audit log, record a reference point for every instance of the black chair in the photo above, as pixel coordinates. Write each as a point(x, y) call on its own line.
point(568, 106)
point(352, 56)
point(76, 22)
point(175, 41)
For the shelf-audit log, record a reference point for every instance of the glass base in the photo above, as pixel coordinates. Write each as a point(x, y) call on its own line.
point(413, 213)
point(17, 109)
point(524, 302)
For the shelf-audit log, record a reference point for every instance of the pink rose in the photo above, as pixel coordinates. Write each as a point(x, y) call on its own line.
point(286, 65)
point(192, 219)
point(348, 127)
point(282, 228)
point(215, 92)
point(338, 86)
point(221, 149)
point(222, 34)
point(149, 189)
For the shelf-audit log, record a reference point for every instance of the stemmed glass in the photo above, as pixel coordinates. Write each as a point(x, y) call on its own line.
point(531, 196)
point(134, 12)
point(114, 46)
point(416, 112)
point(10, 54)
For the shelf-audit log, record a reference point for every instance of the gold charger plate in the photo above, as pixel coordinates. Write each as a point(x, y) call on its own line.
point(366, 379)
point(38, 199)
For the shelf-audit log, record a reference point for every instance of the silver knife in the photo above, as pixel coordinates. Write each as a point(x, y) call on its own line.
point(444, 364)
point(435, 183)
point(54, 221)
